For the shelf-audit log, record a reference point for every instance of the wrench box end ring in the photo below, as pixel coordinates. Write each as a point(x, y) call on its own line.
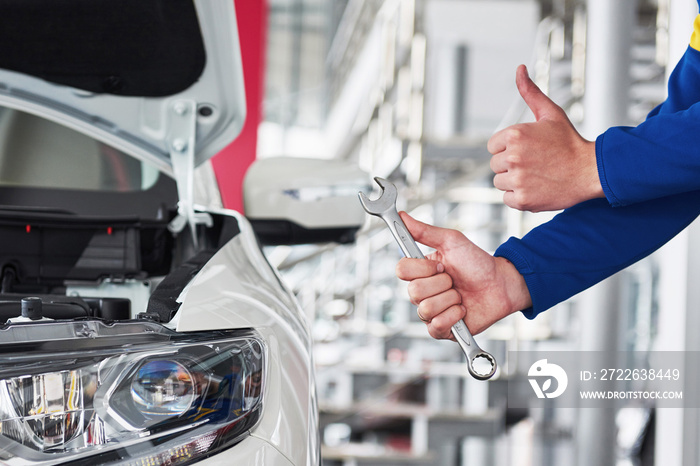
point(482, 375)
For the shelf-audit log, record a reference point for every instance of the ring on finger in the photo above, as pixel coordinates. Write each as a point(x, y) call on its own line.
point(427, 321)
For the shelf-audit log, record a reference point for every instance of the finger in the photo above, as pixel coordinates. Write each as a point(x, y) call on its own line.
point(513, 200)
point(441, 325)
point(423, 233)
point(497, 143)
point(422, 288)
point(499, 163)
point(431, 307)
point(541, 105)
point(508, 199)
point(433, 256)
point(502, 182)
point(410, 269)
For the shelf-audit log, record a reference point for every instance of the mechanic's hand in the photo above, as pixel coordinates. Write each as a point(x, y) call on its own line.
point(459, 279)
point(545, 165)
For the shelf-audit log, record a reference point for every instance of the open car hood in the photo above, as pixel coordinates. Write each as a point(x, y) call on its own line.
point(160, 80)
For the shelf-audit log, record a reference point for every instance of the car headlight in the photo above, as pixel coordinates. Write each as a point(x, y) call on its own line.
point(127, 393)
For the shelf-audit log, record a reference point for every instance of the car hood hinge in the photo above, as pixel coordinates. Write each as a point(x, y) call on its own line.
point(182, 127)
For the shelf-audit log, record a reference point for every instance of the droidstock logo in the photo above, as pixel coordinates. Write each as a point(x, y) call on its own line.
point(542, 373)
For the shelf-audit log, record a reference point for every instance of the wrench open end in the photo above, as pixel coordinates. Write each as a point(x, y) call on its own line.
point(385, 201)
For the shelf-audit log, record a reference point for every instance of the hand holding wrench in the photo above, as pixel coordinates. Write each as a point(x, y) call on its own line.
point(385, 208)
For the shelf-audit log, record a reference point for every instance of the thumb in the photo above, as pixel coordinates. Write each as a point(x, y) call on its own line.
point(423, 233)
point(541, 105)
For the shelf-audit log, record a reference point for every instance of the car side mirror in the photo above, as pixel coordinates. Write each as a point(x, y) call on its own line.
point(292, 200)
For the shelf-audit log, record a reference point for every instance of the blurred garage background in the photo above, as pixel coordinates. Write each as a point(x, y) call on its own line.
point(411, 90)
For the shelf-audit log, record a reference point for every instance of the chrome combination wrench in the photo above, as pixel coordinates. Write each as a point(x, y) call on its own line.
point(385, 208)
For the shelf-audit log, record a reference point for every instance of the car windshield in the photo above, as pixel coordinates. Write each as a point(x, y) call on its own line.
point(39, 153)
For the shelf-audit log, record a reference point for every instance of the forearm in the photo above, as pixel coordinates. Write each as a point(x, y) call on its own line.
point(660, 156)
point(590, 242)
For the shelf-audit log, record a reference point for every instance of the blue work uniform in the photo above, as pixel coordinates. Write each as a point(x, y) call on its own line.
point(650, 175)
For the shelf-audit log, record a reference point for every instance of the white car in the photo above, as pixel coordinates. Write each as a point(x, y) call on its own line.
point(138, 326)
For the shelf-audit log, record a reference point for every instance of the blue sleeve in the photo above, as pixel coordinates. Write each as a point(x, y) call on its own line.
point(591, 241)
point(661, 156)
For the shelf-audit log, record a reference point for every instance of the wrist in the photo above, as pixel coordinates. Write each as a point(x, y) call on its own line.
point(515, 289)
point(594, 188)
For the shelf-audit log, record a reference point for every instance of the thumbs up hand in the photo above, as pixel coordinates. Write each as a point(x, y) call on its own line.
point(545, 165)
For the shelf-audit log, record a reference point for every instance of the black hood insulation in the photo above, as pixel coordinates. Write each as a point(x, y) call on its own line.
point(147, 48)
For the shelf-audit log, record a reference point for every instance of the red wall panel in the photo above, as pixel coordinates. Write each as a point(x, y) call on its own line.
point(232, 162)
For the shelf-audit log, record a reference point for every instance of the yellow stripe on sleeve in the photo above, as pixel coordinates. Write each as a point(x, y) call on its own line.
point(695, 38)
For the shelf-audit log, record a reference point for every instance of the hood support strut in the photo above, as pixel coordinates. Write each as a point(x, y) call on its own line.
point(182, 126)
